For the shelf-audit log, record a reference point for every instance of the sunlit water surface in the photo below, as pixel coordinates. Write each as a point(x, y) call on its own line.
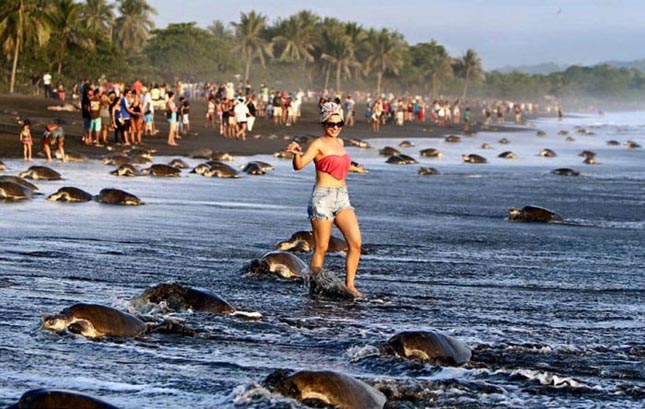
point(554, 312)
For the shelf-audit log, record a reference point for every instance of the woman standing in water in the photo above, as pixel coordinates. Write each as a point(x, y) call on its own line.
point(329, 201)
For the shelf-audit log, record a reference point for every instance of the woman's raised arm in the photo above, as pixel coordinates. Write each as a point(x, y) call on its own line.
point(300, 159)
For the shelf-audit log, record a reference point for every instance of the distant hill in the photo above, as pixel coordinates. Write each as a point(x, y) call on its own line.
point(548, 68)
point(639, 64)
point(545, 68)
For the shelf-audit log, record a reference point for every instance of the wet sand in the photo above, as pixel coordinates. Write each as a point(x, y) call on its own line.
point(266, 137)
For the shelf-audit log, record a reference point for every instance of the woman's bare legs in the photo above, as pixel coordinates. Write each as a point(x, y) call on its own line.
point(322, 232)
point(348, 225)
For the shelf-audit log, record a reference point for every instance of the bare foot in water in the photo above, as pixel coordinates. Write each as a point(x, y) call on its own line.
point(355, 292)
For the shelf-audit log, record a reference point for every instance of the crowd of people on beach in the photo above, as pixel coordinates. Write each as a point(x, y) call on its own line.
point(128, 110)
point(443, 113)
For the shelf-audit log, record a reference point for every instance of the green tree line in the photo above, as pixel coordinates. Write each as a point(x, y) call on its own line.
point(75, 40)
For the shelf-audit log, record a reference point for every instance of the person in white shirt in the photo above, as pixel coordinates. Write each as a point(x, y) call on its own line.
point(47, 83)
point(241, 112)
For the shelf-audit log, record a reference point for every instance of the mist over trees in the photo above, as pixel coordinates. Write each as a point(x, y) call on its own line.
point(75, 40)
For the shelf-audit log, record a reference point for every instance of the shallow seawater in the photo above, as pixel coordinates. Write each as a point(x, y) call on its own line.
point(553, 312)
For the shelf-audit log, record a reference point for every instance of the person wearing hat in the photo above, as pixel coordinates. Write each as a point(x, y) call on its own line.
point(241, 113)
point(329, 203)
point(54, 134)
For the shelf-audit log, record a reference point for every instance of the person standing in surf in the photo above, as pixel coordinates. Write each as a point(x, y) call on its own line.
point(26, 140)
point(329, 203)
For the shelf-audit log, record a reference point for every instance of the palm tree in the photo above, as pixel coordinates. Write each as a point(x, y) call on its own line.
point(308, 23)
point(385, 54)
point(358, 38)
point(322, 64)
point(220, 31)
point(21, 22)
point(250, 41)
point(433, 61)
point(98, 17)
point(133, 26)
point(471, 68)
point(296, 37)
point(309, 20)
point(67, 29)
point(337, 50)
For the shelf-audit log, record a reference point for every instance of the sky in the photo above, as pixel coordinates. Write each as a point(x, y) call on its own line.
point(502, 32)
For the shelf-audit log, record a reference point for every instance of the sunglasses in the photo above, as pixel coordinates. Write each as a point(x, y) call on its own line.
point(335, 124)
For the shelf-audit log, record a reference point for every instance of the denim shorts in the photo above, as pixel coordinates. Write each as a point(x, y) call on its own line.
point(326, 202)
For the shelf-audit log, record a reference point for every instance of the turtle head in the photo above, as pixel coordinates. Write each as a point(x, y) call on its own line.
point(513, 213)
point(55, 322)
point(297, 246)
point(280, 381)
point(200, 169)
point(54, 197)
point(131, 200)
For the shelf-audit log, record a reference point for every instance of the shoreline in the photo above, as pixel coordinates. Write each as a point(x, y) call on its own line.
point(266, 138)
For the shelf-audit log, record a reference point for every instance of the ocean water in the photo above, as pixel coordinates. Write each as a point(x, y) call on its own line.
point(553, 312)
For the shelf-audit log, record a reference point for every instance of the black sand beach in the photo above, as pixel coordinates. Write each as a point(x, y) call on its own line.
point(266, 138)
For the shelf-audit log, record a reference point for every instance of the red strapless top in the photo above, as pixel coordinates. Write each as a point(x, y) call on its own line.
point(335, 165)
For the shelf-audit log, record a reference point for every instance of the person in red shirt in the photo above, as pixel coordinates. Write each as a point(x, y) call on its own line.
point(136, 86)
